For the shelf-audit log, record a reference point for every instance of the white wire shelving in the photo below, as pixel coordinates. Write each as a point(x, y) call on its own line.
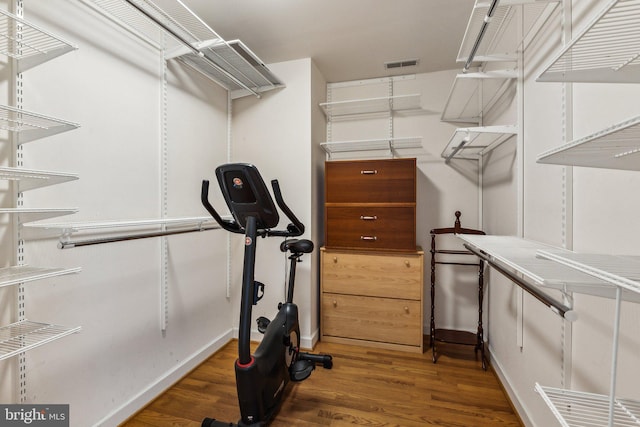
point(230, 64)
point(474, 142)
point(575, 408)
point(27, 43)
point(391, 147)
point(10, 276)
point(607, 50)
point(610, 276)
point(617, 147)
point(31, 126)
point(72, 227)
point(355, 107)
point(523, 257)
point(29, 179)
point(25, 335)
point(474, 94)
point(623, 273)
point(26, 215)
point(114, 231)
point(484, 38)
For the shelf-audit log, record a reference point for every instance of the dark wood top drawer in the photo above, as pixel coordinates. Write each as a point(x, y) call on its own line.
point(371, 181)
point(371, 227)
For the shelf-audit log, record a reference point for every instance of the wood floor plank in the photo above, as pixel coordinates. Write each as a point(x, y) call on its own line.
point(367, 386)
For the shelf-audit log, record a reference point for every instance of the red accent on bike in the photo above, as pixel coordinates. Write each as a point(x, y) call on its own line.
point(243, 365)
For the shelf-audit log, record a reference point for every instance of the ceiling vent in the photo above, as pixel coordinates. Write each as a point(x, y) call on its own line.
point(401, 64)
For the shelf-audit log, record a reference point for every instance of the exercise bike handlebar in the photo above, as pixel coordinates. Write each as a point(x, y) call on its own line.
point(229, 225)
point(296, 228)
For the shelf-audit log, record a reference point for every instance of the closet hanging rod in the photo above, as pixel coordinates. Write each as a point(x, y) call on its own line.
point(192, 48)
point(555, 306)
point(78, 243)
point(483, 29)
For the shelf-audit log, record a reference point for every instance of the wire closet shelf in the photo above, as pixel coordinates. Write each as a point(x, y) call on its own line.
point(616, 147)
point(607, 50)
point(484, 38)
point(610, 276)
point(27, 43)
point(26, 335)
point(229, 63)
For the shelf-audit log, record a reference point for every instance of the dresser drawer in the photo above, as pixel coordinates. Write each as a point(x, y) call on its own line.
point(382, 320)
point(370, 227)
point(392, 276)
point(371, 181)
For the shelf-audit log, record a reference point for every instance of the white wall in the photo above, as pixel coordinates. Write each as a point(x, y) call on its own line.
point(276, 133)
point(112, 87)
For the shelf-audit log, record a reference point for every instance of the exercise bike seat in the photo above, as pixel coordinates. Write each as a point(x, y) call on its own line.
point(299, 246)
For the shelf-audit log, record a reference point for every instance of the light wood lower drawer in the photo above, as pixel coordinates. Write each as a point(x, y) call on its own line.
point(389, 275)
point(374, 319)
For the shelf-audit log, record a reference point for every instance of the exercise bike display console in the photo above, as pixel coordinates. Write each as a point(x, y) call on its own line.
point(261, 377)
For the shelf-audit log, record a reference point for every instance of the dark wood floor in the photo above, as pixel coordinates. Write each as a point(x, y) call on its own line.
point(367, 386)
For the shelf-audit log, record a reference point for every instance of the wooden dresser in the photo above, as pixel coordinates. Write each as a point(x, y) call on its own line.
point(371, 270)
point(371, 204)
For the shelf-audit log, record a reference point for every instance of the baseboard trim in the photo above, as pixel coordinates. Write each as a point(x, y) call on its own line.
point(156, 388)
point(511, 393)
point(306, 342)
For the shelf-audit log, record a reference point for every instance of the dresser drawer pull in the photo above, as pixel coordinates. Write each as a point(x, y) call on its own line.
point(368, 238)
point(335, 303)
point(406, 309)
point(368, 218)
point(369, 172)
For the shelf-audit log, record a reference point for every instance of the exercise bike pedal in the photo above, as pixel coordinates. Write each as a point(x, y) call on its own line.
point(301, 370)
point(263, 324)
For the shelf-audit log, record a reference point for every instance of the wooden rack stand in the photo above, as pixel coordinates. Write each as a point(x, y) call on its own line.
point(448, 335)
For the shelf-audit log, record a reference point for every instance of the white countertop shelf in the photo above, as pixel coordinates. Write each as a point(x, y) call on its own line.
point(31, 126)
point(26, 215)
point(525, 257)
point(28, 44)
point(617, 147)
point(10, 276)
point(578, 409)
point(29, 179)
point(607, 50)
point(475, 93)
point(230, 64)
point(26, 335)
point(356, 107)
point(493, 45)
point(471, 143)
point(393, 147)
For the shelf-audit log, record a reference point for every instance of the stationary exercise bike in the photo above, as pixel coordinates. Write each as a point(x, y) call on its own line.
point(261, 378)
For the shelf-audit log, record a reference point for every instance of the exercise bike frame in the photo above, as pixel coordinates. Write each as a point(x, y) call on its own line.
point(261, 378)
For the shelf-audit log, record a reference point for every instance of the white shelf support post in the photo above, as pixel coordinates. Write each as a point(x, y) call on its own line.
point(164, 185)
point(614, 357)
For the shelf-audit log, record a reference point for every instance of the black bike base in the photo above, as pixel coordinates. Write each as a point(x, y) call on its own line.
point(210, 422)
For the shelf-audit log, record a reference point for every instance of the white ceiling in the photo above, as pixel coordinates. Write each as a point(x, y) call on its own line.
point(347, 39)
